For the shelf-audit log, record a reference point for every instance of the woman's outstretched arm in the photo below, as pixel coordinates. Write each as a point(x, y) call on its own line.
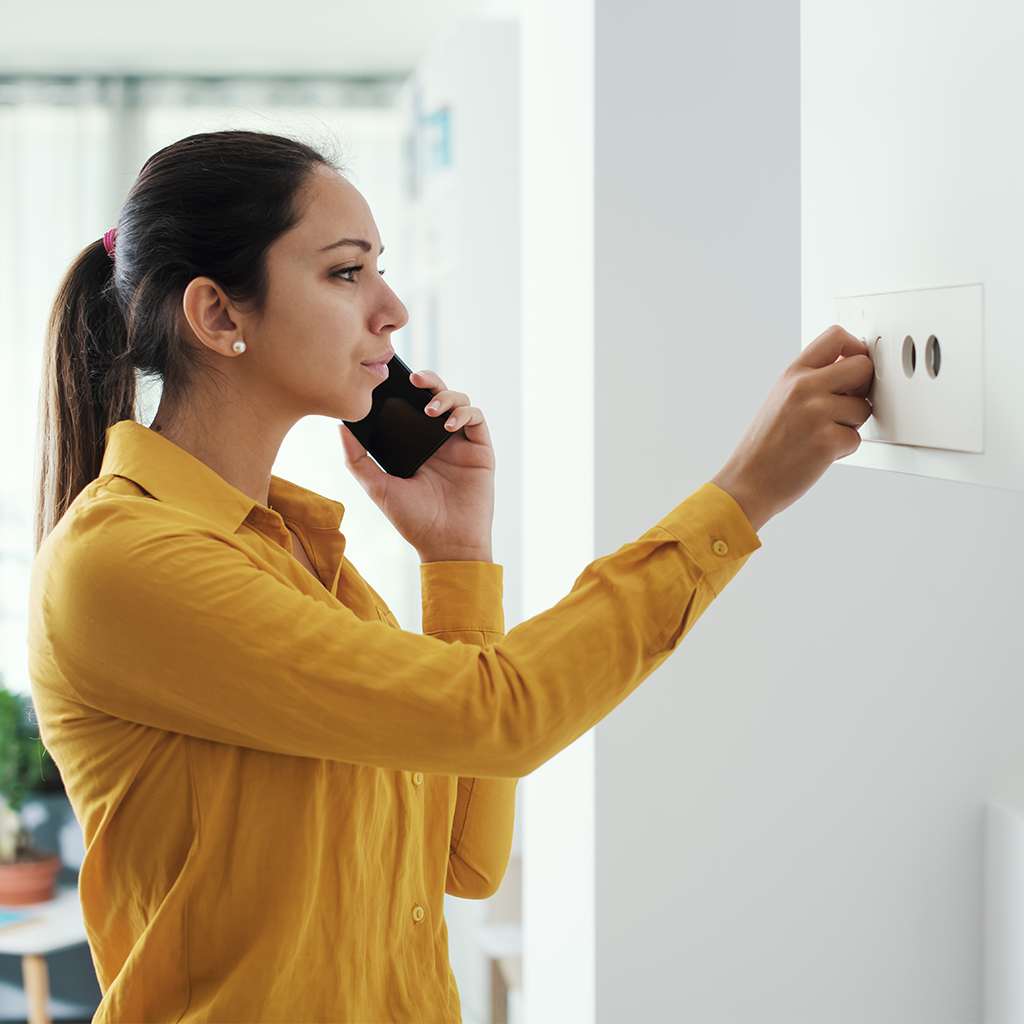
point(150, 614)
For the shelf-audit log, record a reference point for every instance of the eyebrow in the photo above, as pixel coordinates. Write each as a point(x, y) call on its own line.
point(360, 243)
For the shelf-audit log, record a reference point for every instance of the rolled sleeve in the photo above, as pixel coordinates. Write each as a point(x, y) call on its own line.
point(462, 601)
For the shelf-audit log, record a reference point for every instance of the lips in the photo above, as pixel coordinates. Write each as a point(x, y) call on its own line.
point(379, 367)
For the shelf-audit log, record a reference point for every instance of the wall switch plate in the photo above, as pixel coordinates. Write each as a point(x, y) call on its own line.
point(928, 389)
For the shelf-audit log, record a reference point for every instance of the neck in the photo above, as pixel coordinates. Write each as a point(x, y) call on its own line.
point(237, 440)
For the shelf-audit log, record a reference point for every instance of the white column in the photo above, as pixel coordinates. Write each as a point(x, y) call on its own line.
point(558, 473)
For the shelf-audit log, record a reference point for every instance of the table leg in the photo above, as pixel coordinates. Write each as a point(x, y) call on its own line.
point(37, 988)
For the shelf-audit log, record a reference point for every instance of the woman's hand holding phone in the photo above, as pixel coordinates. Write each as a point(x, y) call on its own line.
point(446, 508)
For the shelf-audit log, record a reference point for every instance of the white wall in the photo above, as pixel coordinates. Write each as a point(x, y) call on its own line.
point(789, 814)
point(911, 179)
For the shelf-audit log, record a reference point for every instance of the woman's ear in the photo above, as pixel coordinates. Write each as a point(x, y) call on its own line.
point(211, 315)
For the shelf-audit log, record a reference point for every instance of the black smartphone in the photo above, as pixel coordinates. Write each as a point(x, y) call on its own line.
point(397, 432)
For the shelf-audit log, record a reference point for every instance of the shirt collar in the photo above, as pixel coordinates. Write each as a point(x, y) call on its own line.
point(171, 475)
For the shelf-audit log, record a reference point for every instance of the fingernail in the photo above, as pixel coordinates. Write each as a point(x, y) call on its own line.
point(451, 423)
point(434, 406)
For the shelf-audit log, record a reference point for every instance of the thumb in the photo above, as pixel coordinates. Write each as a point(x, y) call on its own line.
point(371, 477)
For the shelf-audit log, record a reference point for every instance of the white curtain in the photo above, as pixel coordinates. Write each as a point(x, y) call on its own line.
point(69, 150)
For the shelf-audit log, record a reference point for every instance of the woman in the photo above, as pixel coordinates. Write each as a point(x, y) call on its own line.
point(277, 785)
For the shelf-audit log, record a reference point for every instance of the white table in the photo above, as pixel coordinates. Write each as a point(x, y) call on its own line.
point(55, 925)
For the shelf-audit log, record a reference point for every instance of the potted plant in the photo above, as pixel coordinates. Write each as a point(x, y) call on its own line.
point(27, 875)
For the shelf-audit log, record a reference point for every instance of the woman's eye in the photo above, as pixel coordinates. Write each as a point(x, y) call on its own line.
point(348, 273)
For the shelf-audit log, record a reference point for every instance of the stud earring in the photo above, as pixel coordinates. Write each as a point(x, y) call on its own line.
point(238, 348)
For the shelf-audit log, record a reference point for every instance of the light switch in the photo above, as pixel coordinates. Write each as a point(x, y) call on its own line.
point(926, 345)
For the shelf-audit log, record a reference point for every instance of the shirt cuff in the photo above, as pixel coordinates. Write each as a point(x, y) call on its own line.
point(462, 601)
point(711, 526)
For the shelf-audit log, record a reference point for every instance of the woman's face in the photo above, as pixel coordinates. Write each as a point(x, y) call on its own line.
point(322, 339)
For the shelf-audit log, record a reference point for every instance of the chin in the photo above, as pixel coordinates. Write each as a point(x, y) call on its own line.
point(353, 411)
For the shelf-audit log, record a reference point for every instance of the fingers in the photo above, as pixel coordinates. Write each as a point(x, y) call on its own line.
point(843, 441)
point(849, 376)
point(851, 412)
point(841, 359)
point(427, 379)
point(444, 401)
point(829, 346)
point(455, 403)
point(464, 416)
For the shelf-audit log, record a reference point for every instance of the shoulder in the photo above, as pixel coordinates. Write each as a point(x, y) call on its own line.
point(113, 509)
point(115, 531)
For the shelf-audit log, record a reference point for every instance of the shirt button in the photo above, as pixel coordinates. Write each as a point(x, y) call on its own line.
point(720, 547)
point(418, 913)
point(418, 778)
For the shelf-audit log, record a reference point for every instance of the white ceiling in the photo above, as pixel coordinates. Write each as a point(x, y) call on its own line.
point(224, 37)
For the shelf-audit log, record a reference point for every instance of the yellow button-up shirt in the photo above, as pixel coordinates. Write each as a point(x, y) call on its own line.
point(277, 785)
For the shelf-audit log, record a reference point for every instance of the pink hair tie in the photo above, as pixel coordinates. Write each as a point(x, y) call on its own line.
point(108, 241)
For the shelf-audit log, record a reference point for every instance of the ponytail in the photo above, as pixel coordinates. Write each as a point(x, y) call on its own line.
point(88, 384)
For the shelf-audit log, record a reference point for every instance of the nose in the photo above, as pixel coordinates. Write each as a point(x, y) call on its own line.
point(390, 314)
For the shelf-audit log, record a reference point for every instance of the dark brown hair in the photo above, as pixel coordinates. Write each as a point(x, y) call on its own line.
point(207, 206)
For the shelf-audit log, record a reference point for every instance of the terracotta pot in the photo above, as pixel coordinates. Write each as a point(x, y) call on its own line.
point(30, 881)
